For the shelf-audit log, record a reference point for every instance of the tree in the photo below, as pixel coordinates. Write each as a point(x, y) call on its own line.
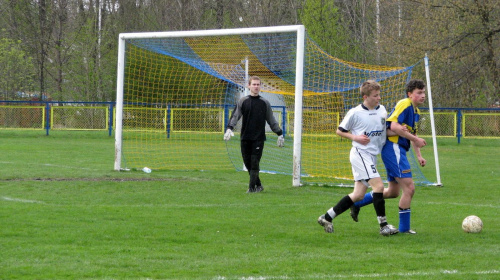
point(73, 44)
point(29, 22)
point(358, 19)
point(461, 38)
point(41, 26)
point(322, 20)
point(16, 73)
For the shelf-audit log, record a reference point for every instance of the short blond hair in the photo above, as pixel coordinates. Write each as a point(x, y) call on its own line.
point(368, 87)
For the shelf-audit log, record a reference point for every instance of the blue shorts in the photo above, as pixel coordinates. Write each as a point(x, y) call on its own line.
point(395, 161)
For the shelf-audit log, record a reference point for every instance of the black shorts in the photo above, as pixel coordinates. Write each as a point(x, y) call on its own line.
point(252, 147)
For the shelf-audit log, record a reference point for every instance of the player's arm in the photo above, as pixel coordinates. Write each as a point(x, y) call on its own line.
point(362, 139)
point(275, 126)
point(271, 120)
point(403, 132)
point(392, 133)
point(235, 115)
point(233, 120)
point(420, 159)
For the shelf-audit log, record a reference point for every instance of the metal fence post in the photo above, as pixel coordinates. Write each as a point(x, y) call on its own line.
point(284, 124)
point(111, 106)
point(47, 115)
point(459, 125)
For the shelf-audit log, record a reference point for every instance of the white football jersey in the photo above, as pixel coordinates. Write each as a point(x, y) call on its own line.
point(360, 120)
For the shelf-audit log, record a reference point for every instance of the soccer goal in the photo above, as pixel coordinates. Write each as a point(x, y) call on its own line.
point(176, 90)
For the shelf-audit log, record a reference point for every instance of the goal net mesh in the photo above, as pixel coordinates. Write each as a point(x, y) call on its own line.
point(180, 92)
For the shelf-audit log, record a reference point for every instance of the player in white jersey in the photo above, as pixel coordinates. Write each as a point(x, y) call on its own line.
point(365, 126)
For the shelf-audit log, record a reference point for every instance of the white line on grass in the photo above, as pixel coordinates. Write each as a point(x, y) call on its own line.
point(372, 275)
point(464, 204)
point(21, 200)
point(66, 166)
point(52, 165)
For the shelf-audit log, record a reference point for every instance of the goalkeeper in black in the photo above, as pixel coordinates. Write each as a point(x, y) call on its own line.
point(256, 111)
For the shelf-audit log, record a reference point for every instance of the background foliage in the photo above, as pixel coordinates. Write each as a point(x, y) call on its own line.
point(68, 48)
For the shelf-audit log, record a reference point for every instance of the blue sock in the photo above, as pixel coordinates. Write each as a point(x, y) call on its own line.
point(404, 220)
point(368, 199)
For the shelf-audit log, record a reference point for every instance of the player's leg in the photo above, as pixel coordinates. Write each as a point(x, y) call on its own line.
point(356, 207)
point(379, 204)
point(392, 190)
point(257, 180)
point(257, 149)
point(254, 174)
point(390, 156)
point(408, 188)
point(258, 183)
point(246, 153)
point(368, 198)
point(364, 165)
point(344, 203)
point(403, 176)
point(359, 190)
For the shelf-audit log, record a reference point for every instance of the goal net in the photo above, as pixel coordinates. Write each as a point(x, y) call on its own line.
point(176, 91)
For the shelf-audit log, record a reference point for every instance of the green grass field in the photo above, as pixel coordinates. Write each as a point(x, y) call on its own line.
point(65, 214)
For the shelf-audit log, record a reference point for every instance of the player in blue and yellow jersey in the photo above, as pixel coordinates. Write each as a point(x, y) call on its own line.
point(403, 120)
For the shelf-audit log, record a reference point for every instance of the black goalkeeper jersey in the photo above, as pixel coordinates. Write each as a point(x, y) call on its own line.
point(256, 111)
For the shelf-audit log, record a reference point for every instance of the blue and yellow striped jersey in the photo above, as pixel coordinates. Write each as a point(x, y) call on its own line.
point(407, 115)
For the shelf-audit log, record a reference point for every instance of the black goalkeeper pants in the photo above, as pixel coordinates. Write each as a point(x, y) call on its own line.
point(251, 151)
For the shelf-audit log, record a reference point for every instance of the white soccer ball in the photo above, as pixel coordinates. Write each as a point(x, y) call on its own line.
point(472, 224)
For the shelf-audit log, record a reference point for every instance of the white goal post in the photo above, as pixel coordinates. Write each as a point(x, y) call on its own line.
point(431, 114)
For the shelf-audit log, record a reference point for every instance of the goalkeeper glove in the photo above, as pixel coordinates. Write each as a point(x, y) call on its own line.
point(281, 141)
point(228, 134)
